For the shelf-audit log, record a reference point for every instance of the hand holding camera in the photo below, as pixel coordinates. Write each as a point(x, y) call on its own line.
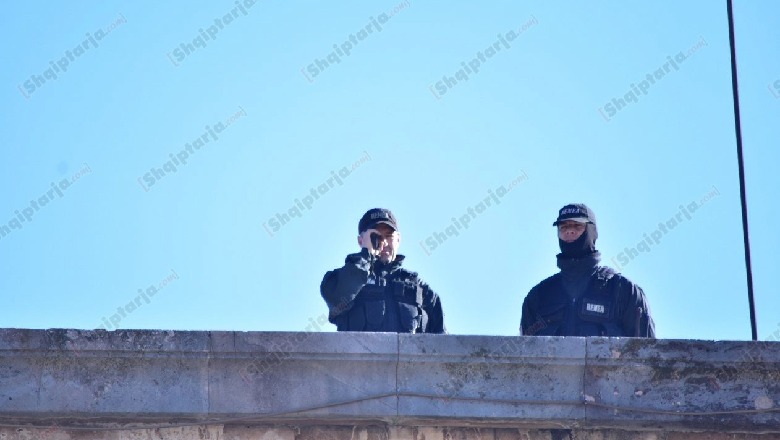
point(371, 240)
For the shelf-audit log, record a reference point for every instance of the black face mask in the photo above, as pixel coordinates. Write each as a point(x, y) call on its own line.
point(585, 245)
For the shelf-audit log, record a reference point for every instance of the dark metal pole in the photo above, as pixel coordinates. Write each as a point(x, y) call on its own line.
point(742, 193)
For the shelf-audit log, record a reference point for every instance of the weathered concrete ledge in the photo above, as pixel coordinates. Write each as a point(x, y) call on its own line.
point(178, 380)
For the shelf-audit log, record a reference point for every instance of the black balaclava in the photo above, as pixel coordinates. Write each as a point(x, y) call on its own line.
point(586, 243)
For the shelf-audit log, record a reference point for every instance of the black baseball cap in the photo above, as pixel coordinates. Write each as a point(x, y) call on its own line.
point(577, 212)
point(375, 216)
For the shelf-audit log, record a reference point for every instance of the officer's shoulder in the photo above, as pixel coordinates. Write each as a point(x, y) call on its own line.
point(613, 276)
point(545, 283)
point(408, 274)
point(540, 291)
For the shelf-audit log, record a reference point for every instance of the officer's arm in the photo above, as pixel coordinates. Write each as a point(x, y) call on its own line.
point(636, 311)
point(339, 287)
point(530, 320)
point(524, 314)
point(432, 306)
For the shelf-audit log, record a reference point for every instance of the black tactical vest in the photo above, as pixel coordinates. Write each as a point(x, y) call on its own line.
point(595, 313)
point(392, 304)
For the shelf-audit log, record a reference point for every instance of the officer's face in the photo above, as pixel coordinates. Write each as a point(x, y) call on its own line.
point(570, 230)
point(388, 247)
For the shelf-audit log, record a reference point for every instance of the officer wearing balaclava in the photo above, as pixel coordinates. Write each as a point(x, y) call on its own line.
point(584, 299)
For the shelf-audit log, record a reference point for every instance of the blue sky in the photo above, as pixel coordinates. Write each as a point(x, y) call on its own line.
point(152, 152)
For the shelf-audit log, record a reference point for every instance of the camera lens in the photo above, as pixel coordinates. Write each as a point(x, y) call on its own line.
point(375, 240)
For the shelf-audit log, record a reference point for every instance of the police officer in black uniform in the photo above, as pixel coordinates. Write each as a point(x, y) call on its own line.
point(584, 299)
point(373, 293)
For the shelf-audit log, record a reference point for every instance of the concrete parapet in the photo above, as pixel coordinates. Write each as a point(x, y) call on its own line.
point(75, 384)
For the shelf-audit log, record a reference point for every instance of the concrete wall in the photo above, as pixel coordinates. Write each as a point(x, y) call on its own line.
point(71, 384)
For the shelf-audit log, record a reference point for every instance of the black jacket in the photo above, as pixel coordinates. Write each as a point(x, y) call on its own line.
point(611, 306)
point(389, 299)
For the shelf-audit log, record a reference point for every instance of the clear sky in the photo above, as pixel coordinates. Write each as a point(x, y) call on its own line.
point(201, 167)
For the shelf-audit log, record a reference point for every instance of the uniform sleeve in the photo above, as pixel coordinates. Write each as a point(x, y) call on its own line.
point(635, 310)
point(432, 306)
point(340, 286)
point(528, 315)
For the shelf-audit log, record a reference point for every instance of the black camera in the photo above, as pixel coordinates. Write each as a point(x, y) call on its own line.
point(375, 240)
